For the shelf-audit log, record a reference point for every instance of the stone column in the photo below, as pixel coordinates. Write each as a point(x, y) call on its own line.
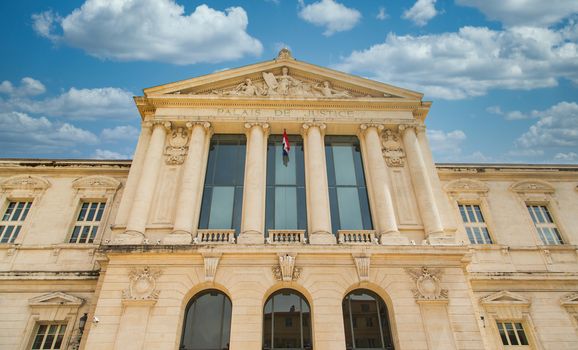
point(253, 222)
point(382, 203)
point(192, 178)
point(446, 213)
point(134, 175)
point(420, 178)
point(317, 190)
point(139, 213)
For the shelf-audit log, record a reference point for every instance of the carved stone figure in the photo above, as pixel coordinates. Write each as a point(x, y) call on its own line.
point(284, 84)
point(392, 150)
point(327, 91)
point(177, 148)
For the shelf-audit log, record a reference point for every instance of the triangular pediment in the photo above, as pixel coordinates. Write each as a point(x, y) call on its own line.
point(55, 299)
point(283, 78)
point(570, 299)
point(505, 297)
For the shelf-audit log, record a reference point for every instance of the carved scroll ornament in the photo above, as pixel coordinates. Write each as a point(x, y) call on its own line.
point(142, 284)
point(177, 149)
point(392, 151)
point(427, 282)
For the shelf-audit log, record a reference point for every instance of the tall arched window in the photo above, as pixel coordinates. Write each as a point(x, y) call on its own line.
point(287, 321)
point(366, 321)
point(207, 323)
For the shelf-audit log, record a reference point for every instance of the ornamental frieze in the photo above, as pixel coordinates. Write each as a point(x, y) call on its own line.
point(392, 151)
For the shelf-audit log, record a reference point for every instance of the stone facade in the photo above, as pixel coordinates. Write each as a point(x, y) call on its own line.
point(134, 275)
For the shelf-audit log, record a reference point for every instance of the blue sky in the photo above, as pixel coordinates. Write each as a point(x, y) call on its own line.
point(503, 74)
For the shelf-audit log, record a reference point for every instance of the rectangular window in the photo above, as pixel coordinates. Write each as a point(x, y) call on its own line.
point(545, 225)
point(49, 336)
point(87, 222)
point(475, 224)
point(285, 209)
point(223, 191)
point(512, 333)
point(346, 180)
point(12, 220)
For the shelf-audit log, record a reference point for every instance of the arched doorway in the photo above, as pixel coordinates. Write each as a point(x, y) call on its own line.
point(366, 321)
point(207, 324)
point(287, 321)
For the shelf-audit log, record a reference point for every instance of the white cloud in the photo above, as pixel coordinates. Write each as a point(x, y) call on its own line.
point(151, 30)
point(28, 87)
point(106, 154)
point(21, 134)
point(524, 12)
point(470, 62)
point(557, 127)
point(566, 157)
point(421, 12)
point(446, 146)
point(120, 133)
point(335, 17)
point(74, 103)
point(382, 15)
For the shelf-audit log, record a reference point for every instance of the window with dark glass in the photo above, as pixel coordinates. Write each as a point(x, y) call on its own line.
point(475, 224)
point(286, 209)
point(545, 225)
point(374, 332)
point(223, 191)
point(346, 180)
point(512, 333)
point(286, 321)
point(207, 323)
point(49, 336)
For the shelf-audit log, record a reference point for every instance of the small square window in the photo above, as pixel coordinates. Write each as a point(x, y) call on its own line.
point(49, 336)
point(12, 220)
point(545, 225)
point(512, 334)
point(87, 223)
point(475, 224)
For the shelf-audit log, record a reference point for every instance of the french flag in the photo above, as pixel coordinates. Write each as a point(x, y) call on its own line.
point(286, 148)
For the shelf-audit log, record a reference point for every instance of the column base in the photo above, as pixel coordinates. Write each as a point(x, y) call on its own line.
point(321, 238)
point(441, 238)
point(393, 238)
point(251, 237)
point(129, 238)
point(178, 237)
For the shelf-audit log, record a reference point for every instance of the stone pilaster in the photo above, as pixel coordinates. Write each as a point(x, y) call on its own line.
point(253, 222)
point(192, 178)
point(137, 219)
point(420, 178)
point(382, 203)
point(318, 209)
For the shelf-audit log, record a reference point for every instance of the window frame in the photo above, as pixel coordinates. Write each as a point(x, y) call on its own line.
point(22, 188)
point(553, 224)
point(37, 328)
point(91, 189)
point(83, 224)
point(481, 206)
point(20, 223)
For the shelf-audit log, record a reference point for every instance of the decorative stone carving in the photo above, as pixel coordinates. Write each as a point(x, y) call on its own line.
point(505, 298)
point(466, 185)
point(177, 149)
point(532, 186)
point(285, 54)
point(142, 285)
point(96, 183)
point(282, 85)
point(427, 282)
point(362, 265)
point(392, 150)
point(570, 300)
point(286, 270)
point(27, 183)
point(211, 264)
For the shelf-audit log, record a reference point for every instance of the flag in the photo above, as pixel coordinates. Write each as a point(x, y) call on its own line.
point(286, 148)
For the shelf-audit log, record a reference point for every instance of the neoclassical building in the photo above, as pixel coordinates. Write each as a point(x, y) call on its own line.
point(221, 233)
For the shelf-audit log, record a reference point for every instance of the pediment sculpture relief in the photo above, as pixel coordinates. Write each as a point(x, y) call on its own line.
point(281, 85)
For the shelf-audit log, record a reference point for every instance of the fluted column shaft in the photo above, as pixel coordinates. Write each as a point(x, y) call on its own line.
point(146, 186)
point(253, 221)
point(383, 209)
point(421, 182)
point(317, 189)
point(188, 200)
